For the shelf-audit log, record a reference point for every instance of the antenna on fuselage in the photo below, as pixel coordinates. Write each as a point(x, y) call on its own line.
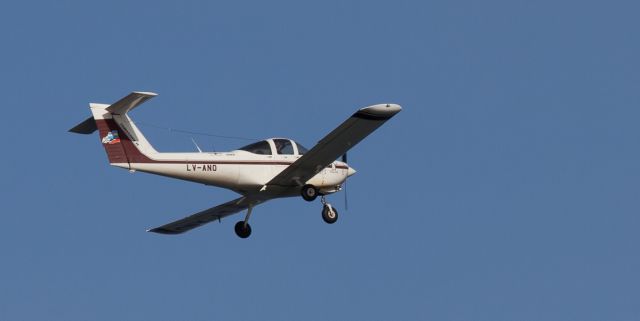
point(198, 147)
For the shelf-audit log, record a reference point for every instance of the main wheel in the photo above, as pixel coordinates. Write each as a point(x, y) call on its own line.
point(242, 230)
point(309, 192)
point(329, 215)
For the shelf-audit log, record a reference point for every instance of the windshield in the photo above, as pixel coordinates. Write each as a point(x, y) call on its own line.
point(261, 148)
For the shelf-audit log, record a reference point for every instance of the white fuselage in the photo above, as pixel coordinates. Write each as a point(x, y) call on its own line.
point(246, 170)
point(238, 170)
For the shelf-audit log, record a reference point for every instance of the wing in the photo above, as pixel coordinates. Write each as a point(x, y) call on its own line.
point(335, 144)
point(208, 215)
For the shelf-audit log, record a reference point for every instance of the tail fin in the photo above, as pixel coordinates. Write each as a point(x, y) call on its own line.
point(121, 138)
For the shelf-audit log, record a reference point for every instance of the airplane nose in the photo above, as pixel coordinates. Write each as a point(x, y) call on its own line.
point(350, 171)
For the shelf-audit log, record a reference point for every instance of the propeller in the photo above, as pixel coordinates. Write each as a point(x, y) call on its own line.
point(344, 185)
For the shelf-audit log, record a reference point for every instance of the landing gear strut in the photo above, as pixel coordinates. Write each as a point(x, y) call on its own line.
point(243, 229)
point(329, 213)
point(310, 193)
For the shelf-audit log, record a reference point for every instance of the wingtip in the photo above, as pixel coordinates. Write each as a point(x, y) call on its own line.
point(383, 109)
point(161, 230)
point(148, 93)
point(379, 111)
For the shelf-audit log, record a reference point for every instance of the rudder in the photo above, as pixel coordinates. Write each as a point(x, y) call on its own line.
point(109, 134)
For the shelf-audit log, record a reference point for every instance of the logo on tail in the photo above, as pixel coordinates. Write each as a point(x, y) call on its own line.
point(111, 138)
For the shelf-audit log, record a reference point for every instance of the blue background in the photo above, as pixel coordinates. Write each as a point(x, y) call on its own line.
point(507, 189)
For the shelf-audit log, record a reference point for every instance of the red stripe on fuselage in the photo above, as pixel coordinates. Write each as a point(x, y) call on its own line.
point(131, 154)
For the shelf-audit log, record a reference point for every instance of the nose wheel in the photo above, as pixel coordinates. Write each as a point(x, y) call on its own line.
point(329, 213)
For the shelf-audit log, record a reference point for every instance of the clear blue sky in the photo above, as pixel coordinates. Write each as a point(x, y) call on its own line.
point(507, 189)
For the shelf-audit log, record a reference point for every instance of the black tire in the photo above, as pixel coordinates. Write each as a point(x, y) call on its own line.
point(309, 192)
point(329, 217)
point(243, 231)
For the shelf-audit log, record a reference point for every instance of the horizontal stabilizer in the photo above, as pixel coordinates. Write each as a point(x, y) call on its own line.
point(130, 102)
point(86, 127)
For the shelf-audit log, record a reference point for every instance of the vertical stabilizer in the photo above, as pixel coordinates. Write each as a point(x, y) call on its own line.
point(121, 138)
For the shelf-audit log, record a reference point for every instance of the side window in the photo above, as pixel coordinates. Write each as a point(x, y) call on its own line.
point(283, 146)
point(261, 148)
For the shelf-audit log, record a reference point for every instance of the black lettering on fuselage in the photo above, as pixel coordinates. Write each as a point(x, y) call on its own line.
point(202, 167)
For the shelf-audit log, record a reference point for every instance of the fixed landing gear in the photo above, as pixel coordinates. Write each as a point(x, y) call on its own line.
point(309, 192)
point(329, 213)
point(243, 229)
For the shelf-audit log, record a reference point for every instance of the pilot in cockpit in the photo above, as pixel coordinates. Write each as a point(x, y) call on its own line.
point(279, 145)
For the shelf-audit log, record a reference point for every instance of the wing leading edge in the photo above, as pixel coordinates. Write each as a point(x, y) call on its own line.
point(335, 144)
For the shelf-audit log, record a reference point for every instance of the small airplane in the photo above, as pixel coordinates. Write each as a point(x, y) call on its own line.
point(265, 170)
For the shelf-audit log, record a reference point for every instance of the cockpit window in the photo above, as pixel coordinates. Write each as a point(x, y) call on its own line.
point(283, 146)
point(301, 149)
point(261, 148)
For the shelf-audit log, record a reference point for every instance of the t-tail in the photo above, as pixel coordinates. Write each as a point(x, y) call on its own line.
point(121, 138)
